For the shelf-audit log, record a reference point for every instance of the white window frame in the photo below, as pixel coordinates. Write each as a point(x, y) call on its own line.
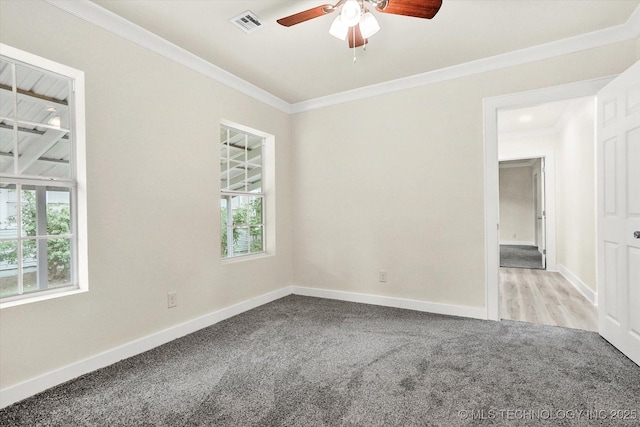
point(77, 183)
point(267, 194)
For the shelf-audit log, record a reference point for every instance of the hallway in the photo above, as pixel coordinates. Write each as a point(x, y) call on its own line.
point(543, 297)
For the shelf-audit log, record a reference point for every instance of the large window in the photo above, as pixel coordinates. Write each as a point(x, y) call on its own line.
point(38, 177)
point(242, 197)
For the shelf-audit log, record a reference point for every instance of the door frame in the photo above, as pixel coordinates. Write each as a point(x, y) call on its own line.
point(548, 193)
point(491, 106)
point(540, 206)
point(535, 211)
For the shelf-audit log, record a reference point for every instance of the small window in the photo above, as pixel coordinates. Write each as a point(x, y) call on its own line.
point(242, 196)
point(39, 152)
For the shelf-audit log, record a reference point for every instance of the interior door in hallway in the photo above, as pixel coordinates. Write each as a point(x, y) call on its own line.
point(541, 213)
point(618, 177)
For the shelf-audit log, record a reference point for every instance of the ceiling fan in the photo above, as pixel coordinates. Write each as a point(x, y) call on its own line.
point(356, 23)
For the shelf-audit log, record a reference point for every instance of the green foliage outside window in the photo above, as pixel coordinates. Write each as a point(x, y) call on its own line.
point(58, 250)
point(247, 215)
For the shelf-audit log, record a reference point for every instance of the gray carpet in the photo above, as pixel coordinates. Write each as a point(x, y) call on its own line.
point(303, 361)
point(519, 256)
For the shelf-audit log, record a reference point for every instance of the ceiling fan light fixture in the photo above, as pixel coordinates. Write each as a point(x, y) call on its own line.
point(351, 13)
point(338, 29)
point(356, 23)
point(369, 25)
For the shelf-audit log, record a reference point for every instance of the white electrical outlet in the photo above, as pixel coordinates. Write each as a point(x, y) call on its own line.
point(382, 276)
point(172, 299)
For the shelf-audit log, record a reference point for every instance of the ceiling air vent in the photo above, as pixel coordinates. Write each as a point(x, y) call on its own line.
point(247, 21)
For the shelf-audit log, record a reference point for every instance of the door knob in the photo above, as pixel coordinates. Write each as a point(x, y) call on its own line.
point(636, 234)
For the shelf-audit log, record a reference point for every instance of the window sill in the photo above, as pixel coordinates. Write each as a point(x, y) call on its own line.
point(41, 297)
point(244, 258)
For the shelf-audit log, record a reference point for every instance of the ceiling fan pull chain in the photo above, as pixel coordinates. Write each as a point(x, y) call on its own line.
point(354, 44)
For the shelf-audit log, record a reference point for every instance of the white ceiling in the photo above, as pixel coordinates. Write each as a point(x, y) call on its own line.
point(548, 117)
point(304, 62)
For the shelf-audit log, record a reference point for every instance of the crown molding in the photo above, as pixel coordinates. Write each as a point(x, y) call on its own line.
point(103, 18)
point(91, 12)
point(616, 34)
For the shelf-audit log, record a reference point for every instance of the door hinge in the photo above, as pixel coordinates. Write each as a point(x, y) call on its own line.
point(544, 252)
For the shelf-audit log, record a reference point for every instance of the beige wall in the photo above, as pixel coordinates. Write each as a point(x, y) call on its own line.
point(396, 182)
point(153, 213)
point(575, 195)
point(517, 205)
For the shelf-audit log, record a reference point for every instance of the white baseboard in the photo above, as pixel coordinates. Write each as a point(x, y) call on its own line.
point(580, 286)
point(43, 382)
point(517, 242)
point(431, 307)
point(38, 384)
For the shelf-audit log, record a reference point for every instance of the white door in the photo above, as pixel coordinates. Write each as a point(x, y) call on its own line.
point(618, 172)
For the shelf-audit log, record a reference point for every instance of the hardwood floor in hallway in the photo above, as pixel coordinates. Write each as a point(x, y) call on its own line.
point(543, 297)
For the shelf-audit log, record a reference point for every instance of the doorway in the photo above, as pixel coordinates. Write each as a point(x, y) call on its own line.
point(522, 213)
point(492, 215)
point(565, 129)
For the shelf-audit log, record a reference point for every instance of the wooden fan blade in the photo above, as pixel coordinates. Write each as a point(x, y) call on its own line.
point(355, 37)
point(426, 9)
point(306, 15)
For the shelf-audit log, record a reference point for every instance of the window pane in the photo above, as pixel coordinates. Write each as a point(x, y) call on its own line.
point(254, 142)
point(241, 240)
point(223, 136)
point(42, 97)
point(58, 211)
point(29, 266)
point(223, 227)
point(257, 239)
point(7, 146)
point(239, 209)
point(254, 211)
point(8, 268)
point(254, 156)
point(59, 262)
point(254, 179)
point(235, 177)
point(6, 91)
point(236, 140)
point(223, 174)
point(28, 203)
point(8, 211)
point(44, 152)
